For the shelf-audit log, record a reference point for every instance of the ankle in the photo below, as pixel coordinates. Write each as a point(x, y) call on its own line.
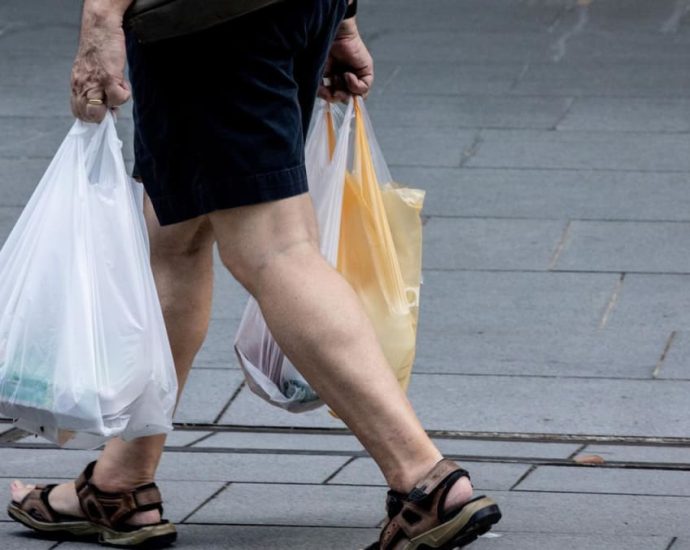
point(406, 478)
point(113, 479)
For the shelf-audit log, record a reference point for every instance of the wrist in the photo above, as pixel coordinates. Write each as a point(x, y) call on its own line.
point(347, 29)
point(109, 13)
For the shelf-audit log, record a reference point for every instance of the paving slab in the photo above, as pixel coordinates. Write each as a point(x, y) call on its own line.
point(224, 537)
point(18, 180)
point(404, 77)
point(43, 463)
point(587, 479)
point(17, 537)
point(249, 410)
point(40, 137)
point(181, 498)
point(280, 441)
point(206, 394)
point(626, 246)
point(184, 438)
point(218, 350)
point(457, 243)
point(682, 543)
point(580, 150)
point(659, 301)
point(229, 298)
point(677, 361)
point(605, 516)
point(556, 541)
point(601, 114)
point(189, 465)
point(306, 505)
point(618, 353)
point(604, 78)
point(631, 453)
point(486, 476)
point(422, 111)
point(481, 301)
point(550, 194)
point(505, 449)
point(551, 405)
point(430, 147)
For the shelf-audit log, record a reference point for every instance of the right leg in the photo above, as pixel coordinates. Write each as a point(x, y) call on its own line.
point(182, 263)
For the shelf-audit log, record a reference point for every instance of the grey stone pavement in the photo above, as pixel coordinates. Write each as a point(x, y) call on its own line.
point(552, 138)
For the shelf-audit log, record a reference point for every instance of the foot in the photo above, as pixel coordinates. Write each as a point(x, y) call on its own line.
point(63, 499)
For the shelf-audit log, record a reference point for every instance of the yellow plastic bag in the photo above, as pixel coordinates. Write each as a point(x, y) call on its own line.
point(380, 247)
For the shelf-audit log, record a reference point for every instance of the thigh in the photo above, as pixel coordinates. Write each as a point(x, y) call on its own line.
point(250, 238)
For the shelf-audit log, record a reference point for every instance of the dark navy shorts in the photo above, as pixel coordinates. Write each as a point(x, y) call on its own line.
point(221, 116)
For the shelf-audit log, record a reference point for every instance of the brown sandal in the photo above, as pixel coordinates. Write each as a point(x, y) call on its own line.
point(418, 520)
point(106, 515)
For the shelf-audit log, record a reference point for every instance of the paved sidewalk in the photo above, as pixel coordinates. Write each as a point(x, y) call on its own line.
point(552, 138)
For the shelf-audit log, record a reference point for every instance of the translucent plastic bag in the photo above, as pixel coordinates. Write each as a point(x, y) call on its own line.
point(380, 251)
point(268, 372)
point(84, 355)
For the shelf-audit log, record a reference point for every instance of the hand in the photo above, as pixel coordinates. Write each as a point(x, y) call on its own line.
point(98, 70)
point(349, 67)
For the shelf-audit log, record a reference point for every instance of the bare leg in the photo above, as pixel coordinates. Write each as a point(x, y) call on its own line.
point(317, 319)
point(182, 262)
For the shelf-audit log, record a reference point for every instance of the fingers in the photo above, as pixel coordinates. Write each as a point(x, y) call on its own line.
point(93, 105)
point(359, 85)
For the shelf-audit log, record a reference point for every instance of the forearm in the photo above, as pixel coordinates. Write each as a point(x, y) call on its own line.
point(98, 12)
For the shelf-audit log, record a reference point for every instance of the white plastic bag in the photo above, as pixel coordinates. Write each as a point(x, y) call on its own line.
point(268, 372)
point(84, 355)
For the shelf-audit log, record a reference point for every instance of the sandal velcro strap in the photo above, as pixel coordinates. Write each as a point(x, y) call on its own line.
point(36, 504)
point(422, 508)
point(113, 509)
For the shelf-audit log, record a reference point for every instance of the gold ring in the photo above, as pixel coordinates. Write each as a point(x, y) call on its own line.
point(95, 102)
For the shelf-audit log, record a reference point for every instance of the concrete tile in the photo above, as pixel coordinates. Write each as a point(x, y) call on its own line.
point(550, 194)
point(659, 301)
point(604, 515)
point(218, 350)
point(268, 441)
point(551, 405)
point(557, 541)
point(626, 481)
point(34, 137)
point(32, 464)
point(486, 476)
point(629, 453)
point(250, 410)
point(17, 537)
point(580, 150)
point(181, 498)
point(619, 353)
point(421, 111)
point(677, 361)
point(18, 180)
point(659, 79)
point(306, 505)
point(217, 537)
point(509, 449)
point(627, 246)
point(183, 438)
point(428, 147)
point(469, 301)
point(601, 114)
point(682, 544)
point(206, 394)
point(404, 77)
point(456, 243)
point(229, 300)
point(247, 467)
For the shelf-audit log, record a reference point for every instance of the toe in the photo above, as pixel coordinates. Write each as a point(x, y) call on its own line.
point(19, 490)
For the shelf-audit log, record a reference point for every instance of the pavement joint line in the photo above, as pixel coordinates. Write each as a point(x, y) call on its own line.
point(662, 359)
point(605, 493)
point(560, 246)
point(339, 469)
point(230, 402)
point(206, 501)
point(199, 440)
point(555, 271)
point(612, 302)
point(544, 376)
point(564, 115)
point(472, 149)
point(635, 221)
point(523, 477)
point(672, 543)
point(522, 437)
point(518, 79)
point(577, 451)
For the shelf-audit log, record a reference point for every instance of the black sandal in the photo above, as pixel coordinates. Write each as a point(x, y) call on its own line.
point(419, 521)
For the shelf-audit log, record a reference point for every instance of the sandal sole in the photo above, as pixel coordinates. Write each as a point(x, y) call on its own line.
point(475, 518)
point(153, 536)
point(72, 528)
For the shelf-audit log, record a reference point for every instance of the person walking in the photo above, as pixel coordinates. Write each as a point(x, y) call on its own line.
point(220, 121)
